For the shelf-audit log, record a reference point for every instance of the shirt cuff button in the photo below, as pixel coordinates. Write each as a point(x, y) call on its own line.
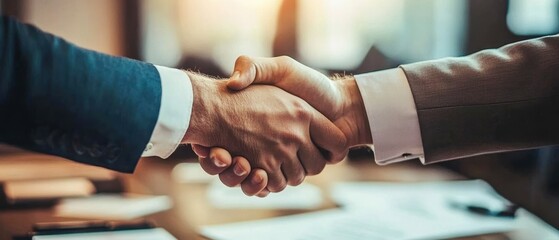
point(148, 147)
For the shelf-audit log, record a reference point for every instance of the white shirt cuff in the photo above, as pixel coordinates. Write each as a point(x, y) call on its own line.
point(392, 115)
point(174, 113)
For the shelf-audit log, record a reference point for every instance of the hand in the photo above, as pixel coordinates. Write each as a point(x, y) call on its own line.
point(233, 171)
point(339, 100)
point(276, 131)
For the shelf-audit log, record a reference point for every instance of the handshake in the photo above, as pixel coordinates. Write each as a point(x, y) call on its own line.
point(274, 122)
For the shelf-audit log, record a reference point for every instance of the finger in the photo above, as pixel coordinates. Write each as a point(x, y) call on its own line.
point(279, 71)
point(255, 70)
point(237, 173)
point(329, 138)
point(312, 159)
point(243, 74)
point(263, 193)
point(255, 183)
point(293, 172)
point(200, 150)
point(219, 159)
point(276, 180)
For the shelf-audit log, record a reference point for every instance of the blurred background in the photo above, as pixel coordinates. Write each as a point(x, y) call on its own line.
point(330, 35)
point(333, 36)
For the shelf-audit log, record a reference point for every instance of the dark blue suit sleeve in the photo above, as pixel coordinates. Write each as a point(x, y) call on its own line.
point(63, 100)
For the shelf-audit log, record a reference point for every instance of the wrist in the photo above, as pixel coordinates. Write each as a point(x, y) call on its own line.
point(354, 114)
point(205, 102)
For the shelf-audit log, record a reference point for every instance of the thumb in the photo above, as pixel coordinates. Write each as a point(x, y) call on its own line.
point(328, 137)
point(254, 70)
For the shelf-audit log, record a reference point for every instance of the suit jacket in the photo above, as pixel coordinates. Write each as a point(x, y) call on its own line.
point(492, 101)
point(59, 99)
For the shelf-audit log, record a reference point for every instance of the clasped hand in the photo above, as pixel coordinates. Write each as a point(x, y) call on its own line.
point(274, 122)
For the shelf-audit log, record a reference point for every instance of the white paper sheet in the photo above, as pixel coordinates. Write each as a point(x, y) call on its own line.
point(429, 206)
point(379, 211)
point(112, 206)
point(141, 234)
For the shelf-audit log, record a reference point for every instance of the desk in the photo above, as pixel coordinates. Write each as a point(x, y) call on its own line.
point(190, 210)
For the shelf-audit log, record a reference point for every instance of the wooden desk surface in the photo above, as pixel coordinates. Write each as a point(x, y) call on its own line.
point(191, 209)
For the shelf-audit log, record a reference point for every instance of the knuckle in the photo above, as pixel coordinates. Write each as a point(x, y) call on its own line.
point(316, 168)
point(338, 157)
point(262, 195)
point(268, 164)
point(247, 190)
point(208, 167)
point(290, 138)
point(342, 144)
point(285, 59)
point(242, 59)
point(297, 181)
point(301, 111)
point(250, 188)
point(227, 180)
point(278, 187)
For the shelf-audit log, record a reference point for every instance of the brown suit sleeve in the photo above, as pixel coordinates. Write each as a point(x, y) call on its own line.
point(492, 101)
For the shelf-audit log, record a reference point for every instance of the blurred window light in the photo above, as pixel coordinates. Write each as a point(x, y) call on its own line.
point(449, 28)
point(218, 30)
point(160, 33)
point(533, 17)
point(330, 34)
point(224, 29)
point(337, 34)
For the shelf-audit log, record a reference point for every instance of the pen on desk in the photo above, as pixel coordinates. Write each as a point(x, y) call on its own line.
point(508, 210)
point(87, 226)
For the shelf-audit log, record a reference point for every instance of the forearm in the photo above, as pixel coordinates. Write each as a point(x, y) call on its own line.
point(60, 99)
point(204, 111)
point(492, 101)
point(355, 119)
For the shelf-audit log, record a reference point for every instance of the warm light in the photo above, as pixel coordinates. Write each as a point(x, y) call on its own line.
point(224, 29)
point(337, 34)
point(48, 189)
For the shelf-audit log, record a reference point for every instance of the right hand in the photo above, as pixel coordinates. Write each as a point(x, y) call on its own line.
point(339, 100)
point(275, 131)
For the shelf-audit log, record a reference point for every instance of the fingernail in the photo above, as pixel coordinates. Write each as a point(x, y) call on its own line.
point(239, 171)
point(218, 163)
point(236, 75)
point(256, 179)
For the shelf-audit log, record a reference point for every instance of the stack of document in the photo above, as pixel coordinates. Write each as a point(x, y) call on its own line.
point(112, 206)
point(384, 211)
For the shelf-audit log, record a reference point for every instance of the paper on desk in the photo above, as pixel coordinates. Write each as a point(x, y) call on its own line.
point(393, 211)
point(328, 224)
point(341, 224)
point(112, 206)
point(431, 194)
point(304, 196)
point(431, 204)
point(140, 234)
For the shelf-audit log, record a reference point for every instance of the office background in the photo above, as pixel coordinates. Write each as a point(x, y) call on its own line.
point(330, 35)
